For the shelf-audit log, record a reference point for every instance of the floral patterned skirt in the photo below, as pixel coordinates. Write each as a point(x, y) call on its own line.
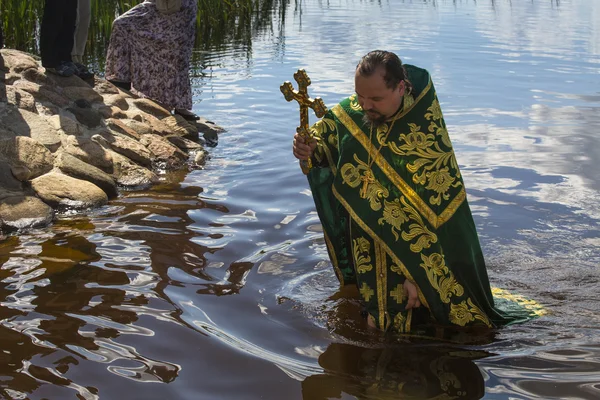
point(152, 51)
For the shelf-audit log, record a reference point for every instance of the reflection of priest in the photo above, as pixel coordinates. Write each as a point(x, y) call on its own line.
point(393, 205)
point(407, 372)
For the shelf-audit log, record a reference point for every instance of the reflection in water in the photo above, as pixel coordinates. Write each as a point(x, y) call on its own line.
point(407, 372)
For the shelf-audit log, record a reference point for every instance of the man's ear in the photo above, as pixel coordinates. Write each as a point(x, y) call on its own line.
point(402, 88)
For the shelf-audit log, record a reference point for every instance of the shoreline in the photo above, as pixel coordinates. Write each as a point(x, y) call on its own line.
point(69, 144)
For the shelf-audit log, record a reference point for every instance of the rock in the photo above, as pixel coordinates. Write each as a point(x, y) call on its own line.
point(112, 112)
point(11, 78)
point(89, 152)
point(181, 127)
point(118, 126)
point(139, 127)
point(27, 152)
point(164, 152)
point(136, 115)
point(18, 211)
point(74, 167)
point(66, 124)
point(87, 116)
point(158, 126)
point(211, 139)
point(17, 61)
point(62, 191)
point(200, 158)
point(21, 172)
point(104, 87)
point(65, 82)
point(5, 133)
point(42, 93)
point(26, 123)
point(183, 143)
point(38, 76)
point(203, 125)
point(19, 98)
point(150, 107)
point(129, 148)
point(129, 174)
point(116, 100)
point(7, 179)
point(82, 92)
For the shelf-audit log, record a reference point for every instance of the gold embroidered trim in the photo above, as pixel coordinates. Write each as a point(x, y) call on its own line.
point(435, 220)
point(399, 264)
point(381, 271)
point(334, 261)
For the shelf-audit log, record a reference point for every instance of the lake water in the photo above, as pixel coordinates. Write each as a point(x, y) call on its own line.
point(216, 284)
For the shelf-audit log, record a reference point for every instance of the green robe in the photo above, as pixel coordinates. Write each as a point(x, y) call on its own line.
point(393, 207)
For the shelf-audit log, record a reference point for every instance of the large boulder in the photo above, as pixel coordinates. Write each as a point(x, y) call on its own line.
point(7, 178)
point(19, 211)
point(76, 168)
point(125, 146)
point(129, 174)
point(119, 126)
point(18, 98)
point(82, 93)
point(62, 191)
point(65, 123)
point(25, 152)
point(150, 107)
point(17, 61)
point(25, 123)
point(42, 93)
point(184, 144)
point(181, 127)
point(85, 114)
point(116, 100)
point(165, 153)
point(89, 152)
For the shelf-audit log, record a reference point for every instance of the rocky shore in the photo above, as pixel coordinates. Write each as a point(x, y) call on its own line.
point(68, 144)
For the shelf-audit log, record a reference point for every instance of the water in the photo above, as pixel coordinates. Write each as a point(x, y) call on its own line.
point(216, 284)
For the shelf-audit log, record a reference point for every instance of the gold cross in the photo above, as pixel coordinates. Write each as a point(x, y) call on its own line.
point(366, 291)
point(305, 102)
point(398, 294)
point(367, 179)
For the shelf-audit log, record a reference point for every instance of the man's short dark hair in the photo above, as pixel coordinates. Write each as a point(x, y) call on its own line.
point(394, 69)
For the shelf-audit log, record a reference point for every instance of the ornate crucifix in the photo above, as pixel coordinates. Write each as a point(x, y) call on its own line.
point(301, 96)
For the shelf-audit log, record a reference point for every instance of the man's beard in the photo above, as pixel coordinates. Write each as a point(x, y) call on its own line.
point(374, 122)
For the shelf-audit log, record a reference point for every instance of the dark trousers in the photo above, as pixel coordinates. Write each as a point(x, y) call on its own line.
point(58, 28)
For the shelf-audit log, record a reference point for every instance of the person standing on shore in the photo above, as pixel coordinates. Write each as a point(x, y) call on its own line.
point(57, 38)
point(150, 51)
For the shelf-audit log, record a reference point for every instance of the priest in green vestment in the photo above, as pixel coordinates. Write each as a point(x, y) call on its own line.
point(393, 205)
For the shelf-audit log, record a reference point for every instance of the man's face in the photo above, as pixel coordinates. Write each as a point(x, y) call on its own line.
point(377, 100)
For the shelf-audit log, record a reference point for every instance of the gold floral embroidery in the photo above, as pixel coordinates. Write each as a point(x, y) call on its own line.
point(400, 323)
point(432, 165)
point(465, 312)
point(351, 175)
point(322, 126)
point(354, 103)
point(393, 215)
point(435, 113)
point(366, 292)
point(417, 230)
point(362, 255)
point(440, 182)
point(440, 277)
